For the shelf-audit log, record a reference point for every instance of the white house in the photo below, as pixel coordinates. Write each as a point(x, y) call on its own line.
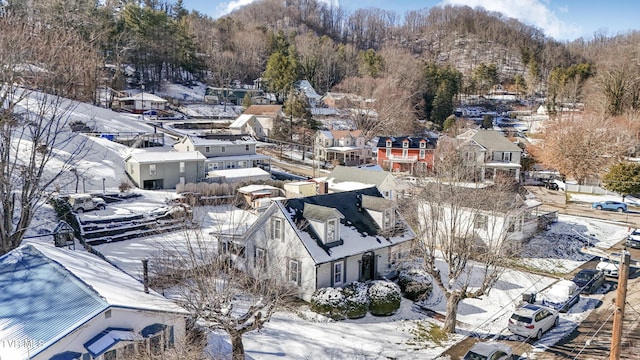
point(344, 178)
point(140, 102)
point(58, 303)
point(490, 153)
point(348, 147)
point(327, 240)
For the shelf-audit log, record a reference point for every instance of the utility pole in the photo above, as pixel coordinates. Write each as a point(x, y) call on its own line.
point(621, 299)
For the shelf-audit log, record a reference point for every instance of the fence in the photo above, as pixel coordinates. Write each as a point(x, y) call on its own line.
point(588, 189)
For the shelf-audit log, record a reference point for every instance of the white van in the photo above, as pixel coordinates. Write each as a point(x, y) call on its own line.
point(84, 202)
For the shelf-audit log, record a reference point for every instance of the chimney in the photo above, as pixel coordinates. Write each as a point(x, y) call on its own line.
point(145, 275)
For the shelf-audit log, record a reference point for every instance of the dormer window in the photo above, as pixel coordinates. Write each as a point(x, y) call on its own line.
point(325, 222)
point(423, 144)
point(332, 230)
point(388, 143)
point(405, 144)
point(381, 210)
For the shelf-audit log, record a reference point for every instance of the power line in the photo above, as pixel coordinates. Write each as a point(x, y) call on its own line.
point(586, 343)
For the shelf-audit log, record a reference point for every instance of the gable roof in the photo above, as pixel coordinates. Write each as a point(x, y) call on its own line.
point(359, 232)
point(264, 110)
point(339, 134)
point(154, 157)
point(241, 121)
point(490, 139)
point(47, 292)
point(351, 174)
point(414, 141)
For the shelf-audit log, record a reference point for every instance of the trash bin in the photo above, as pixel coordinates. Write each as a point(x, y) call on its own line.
point(529, 297)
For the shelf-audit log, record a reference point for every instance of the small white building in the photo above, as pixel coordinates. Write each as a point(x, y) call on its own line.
point(58, 303)
point(140, 102)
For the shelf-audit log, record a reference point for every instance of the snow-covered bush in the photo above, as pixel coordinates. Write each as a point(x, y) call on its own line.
point(356, 300)
point(329, 302)
point(415, 284)
point(384, 297)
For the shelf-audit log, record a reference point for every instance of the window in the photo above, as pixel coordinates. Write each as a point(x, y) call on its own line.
point(152, 169)
point(260, 258)
point(405, 152)
point(480, 221)
point(506, 156)
point(242, 164)
point(387, 220)
point(223, 149)
point(423, 144)
point(155, 344)
point(388, 152)
point(276, 229)
point(338, 273)
point(207, 149)
point(246, 147)
point(388, 143)
point(181, 166)
point(294, 271)
point(422, 153)
point(131, 169)
point(405, 144)
point(332, 230)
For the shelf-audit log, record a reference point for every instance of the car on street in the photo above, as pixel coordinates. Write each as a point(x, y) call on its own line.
point(610, 205)
point(489, 351)
point(551, 185)
point(531, 320)
point(560, 296)
point(589, 280)
point(609, 266)
point(633, 240)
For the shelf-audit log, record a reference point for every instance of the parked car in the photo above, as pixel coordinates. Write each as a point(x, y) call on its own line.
point(532, 320)
point(608, 266)
point(85, 202)
point(560, 296)
point(589, 280)
point(633, 240)
point(551, 185)
point(489, 351)
point(610, 205)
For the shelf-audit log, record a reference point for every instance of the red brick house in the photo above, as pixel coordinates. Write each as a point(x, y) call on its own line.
point(405, 153)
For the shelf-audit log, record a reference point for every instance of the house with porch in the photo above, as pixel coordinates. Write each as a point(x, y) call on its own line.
point(326, 240)
point(343, 178)
point(265, 118)
point(58, 303)
point(164, 170)
point(223, 151)
point(346, 147)
point(491, 154)
point(140, 102)
point(406, 154)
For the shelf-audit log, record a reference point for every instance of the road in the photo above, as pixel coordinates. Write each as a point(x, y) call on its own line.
point(592, 338)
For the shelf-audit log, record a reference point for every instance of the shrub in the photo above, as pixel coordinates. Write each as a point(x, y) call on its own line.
point(384, 297)
point(124, 186)
point(415, 284)
point(356, 301)
point(329, 302)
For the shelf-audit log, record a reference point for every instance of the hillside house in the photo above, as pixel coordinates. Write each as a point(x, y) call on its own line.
point(223, 152)
point(265, 118)
point(326, 240)
point(234, 95)
point(305, 88)
point(58, 303)
point(490, 154)
point(139, 103)
point(164, 170)
point(413, 155)
point(347, 147)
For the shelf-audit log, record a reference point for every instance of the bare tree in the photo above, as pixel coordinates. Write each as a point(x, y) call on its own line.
point(583, 146)
point(220, 283)
point(37, 147)
point(467, 228)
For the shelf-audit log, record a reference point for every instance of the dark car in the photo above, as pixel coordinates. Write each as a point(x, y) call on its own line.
point(551, 185)
point(589, 280)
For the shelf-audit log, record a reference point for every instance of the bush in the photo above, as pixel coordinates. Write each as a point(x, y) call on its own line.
point(329, 302)
point(124, 186)
point(356, 301)
point(384, 297)
point(415, 284)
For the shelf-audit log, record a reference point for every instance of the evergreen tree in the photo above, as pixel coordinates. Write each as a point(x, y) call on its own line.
point(623, 178)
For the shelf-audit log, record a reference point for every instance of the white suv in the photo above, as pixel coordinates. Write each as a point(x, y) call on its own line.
point(84, 202)
point(531, 321)
point(608, 266)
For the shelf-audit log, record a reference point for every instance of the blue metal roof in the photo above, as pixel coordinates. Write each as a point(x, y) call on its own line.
point(40, 301)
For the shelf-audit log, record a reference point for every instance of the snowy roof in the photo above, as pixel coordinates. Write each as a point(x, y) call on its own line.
point(350, 174)
point(268, 110)
point(358, 230)
point(47, 292)
point(253, 188)
point(143, 96)
point(490, 139)
point(240, 173)
point(222, 139)
point(238, 158)
point(240, 121)
point(165, 156)
point(309, 91)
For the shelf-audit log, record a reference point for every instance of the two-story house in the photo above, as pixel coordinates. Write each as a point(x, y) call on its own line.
point(223, 152)
point(343, 178)
point(405, 153)
point(164, 170)
point(348, 147)
point(326, 240)
point(265, 117)
point(490, 153)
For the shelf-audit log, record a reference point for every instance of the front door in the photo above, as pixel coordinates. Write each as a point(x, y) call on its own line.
point(368, 266)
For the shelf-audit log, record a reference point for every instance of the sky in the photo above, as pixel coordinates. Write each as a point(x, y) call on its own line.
point(564, 20)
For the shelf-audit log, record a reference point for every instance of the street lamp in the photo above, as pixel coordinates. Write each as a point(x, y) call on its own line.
point(142, 100)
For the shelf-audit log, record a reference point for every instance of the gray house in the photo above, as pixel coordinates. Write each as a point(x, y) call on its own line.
point(491, 154)
point(223, 152)
point(164, 170)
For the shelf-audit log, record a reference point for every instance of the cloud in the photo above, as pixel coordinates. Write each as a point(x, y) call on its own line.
point(532, 12)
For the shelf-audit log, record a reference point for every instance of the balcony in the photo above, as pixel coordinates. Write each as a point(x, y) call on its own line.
point(403, 159)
